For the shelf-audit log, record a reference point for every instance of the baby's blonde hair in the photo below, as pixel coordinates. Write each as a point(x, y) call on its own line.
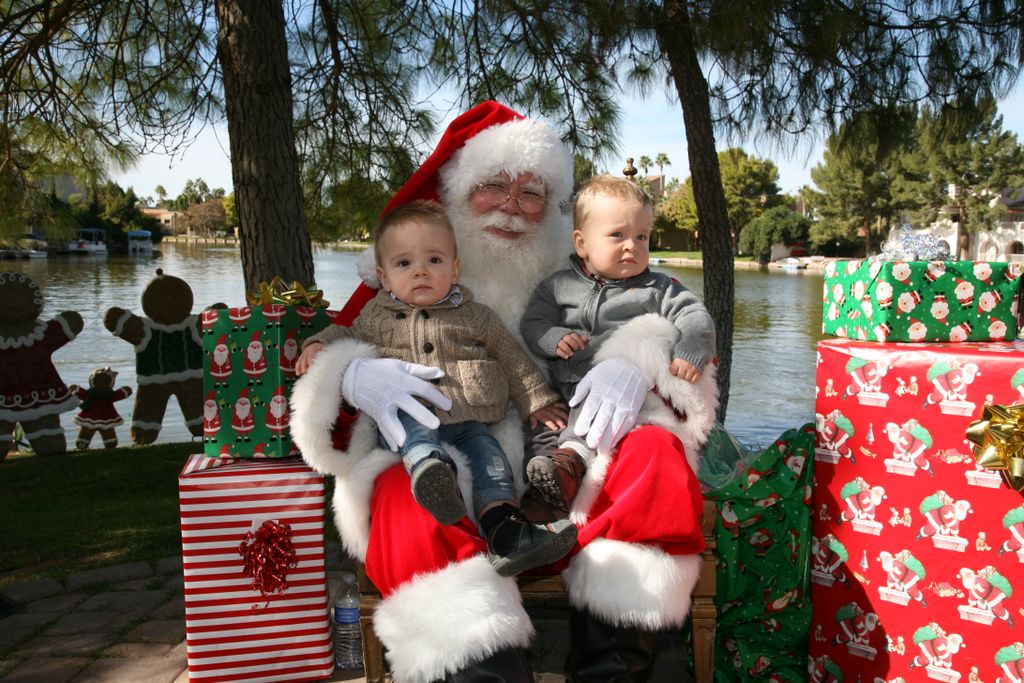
point(419, 211)
point(606, 186)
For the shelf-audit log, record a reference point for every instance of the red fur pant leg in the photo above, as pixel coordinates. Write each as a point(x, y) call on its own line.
point(650, 496)
point(405, 540)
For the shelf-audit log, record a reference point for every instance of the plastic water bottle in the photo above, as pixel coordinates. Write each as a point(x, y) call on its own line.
point(348, 642)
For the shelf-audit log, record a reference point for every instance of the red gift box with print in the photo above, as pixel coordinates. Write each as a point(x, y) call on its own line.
point(268, 625)
point(917, 566)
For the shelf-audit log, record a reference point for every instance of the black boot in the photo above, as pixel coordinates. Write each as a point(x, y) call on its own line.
point(504, 666)
point(599, 653)
point(515, 545)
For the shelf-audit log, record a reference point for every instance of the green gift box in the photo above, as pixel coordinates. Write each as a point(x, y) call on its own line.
point(249, 368)
point(921, 301)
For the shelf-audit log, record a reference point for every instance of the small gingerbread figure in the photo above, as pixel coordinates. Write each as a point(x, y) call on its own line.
point(97, 413)
point(168, 355)
point(32, 393)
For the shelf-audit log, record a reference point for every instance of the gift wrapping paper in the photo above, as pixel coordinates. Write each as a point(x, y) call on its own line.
point(921, 301)
point(233, 631)
point(917, 553)
point(249, 369)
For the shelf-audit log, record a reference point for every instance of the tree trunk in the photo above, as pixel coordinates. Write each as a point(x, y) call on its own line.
point(253, 55)
point(676, 39)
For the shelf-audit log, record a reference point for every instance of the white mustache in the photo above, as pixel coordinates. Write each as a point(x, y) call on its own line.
point(503, 221)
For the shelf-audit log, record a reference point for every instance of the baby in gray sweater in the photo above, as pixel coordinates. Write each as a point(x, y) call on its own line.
point(574, 310)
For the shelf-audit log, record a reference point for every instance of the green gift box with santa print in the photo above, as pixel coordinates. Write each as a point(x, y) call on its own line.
point(249, 368)
point(921, 301)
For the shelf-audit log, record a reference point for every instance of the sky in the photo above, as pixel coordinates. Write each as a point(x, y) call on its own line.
point(647, 128)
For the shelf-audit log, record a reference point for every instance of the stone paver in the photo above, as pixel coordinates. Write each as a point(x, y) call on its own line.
point(24, 593)
point(149, 669)
point(159, 631)
point(18, 627)
point(125, 601)
point(46, 670)
point(168, 566)
point(115, 574)
point(87, 622)
point(58, 603)
point(141, 650)
point(175, 607)
point(74, 644)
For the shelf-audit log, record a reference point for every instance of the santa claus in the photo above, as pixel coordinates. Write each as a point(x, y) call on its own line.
point(242, 421)
point(255, 362)
point(289, 354)
point(277, 414)
point(211, 417)
point(220, 362)
point(445, 612)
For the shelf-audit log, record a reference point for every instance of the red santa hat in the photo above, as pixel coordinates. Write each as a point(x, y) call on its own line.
point(255, 338)
point(487, 140)
point(211, 395)
point(244, 393)
point(222, 340)
point(279, 391)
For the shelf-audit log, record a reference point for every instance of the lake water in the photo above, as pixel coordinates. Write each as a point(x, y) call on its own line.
point(778, 322)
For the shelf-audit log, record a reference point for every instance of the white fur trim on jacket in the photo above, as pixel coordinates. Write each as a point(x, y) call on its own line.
point(647, 341)
point(315, 400)
point(441, 622)
point(626, 584)
point(521, 146)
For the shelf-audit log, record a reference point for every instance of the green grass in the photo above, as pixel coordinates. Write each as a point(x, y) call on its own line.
point(89, 509)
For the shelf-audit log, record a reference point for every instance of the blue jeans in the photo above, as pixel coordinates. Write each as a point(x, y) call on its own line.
point(492, 474)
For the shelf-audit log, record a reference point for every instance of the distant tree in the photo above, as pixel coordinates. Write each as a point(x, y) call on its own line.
point(662, 161)
point(207, 218)
point(777, 224)
point(970, 161)
point(161, 194)
point(230, 213)
point(644, 163)
point(676, 212)
point(196, 191)
point(855, 200)
point(582, 169)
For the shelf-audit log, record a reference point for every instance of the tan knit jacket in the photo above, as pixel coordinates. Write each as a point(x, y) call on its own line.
point(484, 365)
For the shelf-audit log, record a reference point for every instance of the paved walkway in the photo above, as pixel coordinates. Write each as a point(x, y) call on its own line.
point(126, 624)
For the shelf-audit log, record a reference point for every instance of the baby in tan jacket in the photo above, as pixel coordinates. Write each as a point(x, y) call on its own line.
point(422, 316)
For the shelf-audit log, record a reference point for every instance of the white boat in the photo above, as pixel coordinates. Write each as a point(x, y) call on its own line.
point(89, 241)
point(140, 242)
point(791, 263)
point(25, 245)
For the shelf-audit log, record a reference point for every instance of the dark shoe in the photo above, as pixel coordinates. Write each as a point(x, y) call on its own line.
point(599, 653)
point(537, 510)
point(504, 666)
point(514, 545)
point(436, 488)
point(557, 476)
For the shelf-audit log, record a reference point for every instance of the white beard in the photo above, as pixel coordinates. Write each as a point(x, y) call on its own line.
point(220, 354)
point(242, 409)
point(255, 352)
point(291, 350)
point(209, 410)
point(502, 273)
point(278, 407)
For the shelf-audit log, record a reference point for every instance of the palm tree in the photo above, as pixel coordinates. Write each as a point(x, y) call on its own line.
point(644, 163)
point(161, 194)
point(662, 161)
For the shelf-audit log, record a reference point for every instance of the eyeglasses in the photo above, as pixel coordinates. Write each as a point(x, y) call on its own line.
point(496, 195)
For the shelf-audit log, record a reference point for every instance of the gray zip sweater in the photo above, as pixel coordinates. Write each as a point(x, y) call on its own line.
point(572, 301)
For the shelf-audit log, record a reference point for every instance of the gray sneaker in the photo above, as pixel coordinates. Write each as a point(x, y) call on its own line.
point(436, 488)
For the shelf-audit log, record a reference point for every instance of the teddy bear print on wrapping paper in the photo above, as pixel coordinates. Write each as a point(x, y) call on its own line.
point(168, 355)
point(32, 394)
point(97, 413)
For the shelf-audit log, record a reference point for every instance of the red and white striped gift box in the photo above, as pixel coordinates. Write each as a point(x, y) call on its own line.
point(235, 633)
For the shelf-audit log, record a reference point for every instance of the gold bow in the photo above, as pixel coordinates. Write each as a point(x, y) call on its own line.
point(277, 292)
point(998, 439)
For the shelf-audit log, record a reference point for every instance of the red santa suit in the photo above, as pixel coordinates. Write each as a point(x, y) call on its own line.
point(638, 510)
point(255, 363)
point(242, 421)
point(220, 361)
point(211, 417)
point(289, 354)
point(277, 414)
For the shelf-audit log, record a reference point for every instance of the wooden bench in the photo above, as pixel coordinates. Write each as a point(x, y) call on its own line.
point(702, 614)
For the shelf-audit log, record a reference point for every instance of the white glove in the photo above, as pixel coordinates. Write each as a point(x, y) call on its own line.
point(613, 392)
point(380, 387)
